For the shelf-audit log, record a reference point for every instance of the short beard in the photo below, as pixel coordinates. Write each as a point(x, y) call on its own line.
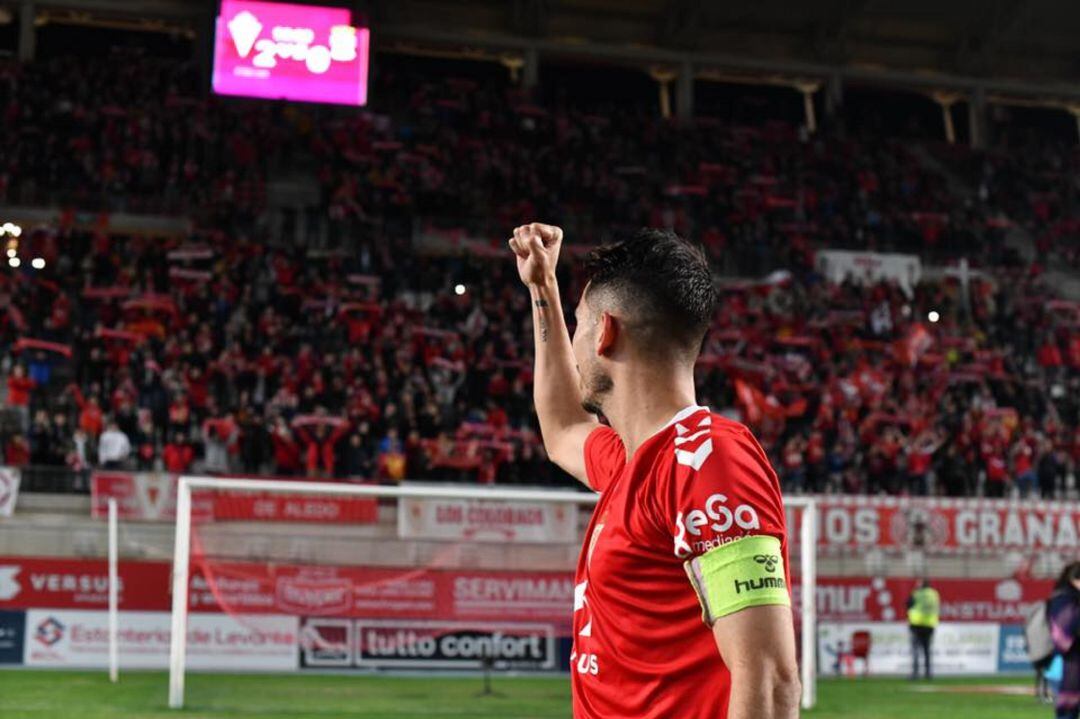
point(597, 386)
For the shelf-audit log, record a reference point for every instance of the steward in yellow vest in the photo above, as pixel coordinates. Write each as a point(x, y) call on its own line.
point(924, 609)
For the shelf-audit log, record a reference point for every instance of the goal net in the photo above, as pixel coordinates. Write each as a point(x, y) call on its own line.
point(333, 576)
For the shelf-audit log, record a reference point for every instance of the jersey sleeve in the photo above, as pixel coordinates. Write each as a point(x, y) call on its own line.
point(605, 457)
point(721, 506)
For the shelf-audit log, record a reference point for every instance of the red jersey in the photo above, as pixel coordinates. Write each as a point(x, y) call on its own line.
point(919, 461)
point(641, 648)
point(19, 389)
point(1025, 457)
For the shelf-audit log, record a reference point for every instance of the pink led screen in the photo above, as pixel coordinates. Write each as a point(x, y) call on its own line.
point(290, 52)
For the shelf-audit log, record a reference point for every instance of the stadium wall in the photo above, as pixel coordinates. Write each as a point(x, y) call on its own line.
point(350, 585)
point(53, 613)
point(377, 587)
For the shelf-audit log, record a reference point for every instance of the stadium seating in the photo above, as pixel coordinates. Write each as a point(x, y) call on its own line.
point(233, 351)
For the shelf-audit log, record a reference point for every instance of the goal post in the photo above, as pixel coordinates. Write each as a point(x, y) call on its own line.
point(807, 597)
point(189, 505)
point(114, 592)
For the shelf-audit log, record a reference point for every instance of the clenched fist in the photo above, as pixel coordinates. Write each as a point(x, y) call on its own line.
point(536, 247)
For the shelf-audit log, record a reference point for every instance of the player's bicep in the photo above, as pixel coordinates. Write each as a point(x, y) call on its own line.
point(567, 449)
point(757, 644)
point(743, 590)
point(758, 640)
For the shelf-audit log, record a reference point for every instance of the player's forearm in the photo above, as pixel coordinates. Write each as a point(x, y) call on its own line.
point(764, 692)
point(556, 391)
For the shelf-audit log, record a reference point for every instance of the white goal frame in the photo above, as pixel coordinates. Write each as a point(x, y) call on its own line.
point(182, 551)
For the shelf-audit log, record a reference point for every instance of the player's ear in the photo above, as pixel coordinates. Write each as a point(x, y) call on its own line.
point(606, 334)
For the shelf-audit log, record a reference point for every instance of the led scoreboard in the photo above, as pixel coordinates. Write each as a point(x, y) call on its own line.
point(290, 52)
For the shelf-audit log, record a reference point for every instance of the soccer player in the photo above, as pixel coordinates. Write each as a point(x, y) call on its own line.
point(681, 605)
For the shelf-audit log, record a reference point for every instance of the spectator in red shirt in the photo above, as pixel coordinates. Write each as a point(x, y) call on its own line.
point(91, 418)
point(198, 385)
point(1023, 456)
point(19, 389)
point(179, 413)
point(319, 444)
point(1050, 355)
point(178, 454)
point(997, 472)
point(497, 417)
point(17, 451)
point(920, 455)
point(1074, 352)
point(286, 450)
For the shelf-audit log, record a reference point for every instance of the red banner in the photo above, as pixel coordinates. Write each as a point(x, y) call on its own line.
point(488, 521)
point(34, 582)
point(277, 507)
point(389, 593)
point(152, 497)
point(141, 497)
point(250, 588)
point(857, 599)
point(847, 524)
point(384, 593)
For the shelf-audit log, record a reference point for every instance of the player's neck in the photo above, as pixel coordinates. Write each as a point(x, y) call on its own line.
point(640, 406)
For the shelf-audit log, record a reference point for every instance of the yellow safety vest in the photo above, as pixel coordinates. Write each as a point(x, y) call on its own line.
point(925, 608)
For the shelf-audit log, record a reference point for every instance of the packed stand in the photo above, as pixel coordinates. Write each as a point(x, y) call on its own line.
point(858, 390)
point(230, 352)
point(231, 357)
point(126, 133)
point(473, 155)
point(474, 158)
point(1032, 180)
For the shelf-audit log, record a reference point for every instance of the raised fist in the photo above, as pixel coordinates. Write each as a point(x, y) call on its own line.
point(536, 247)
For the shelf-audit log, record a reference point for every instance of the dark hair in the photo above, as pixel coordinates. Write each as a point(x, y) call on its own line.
point(1068, 575)
point(662, 282)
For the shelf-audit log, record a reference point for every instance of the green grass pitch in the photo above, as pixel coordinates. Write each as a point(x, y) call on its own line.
point(142, 695)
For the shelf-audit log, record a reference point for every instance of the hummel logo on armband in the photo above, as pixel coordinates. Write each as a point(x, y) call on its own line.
point(750, 585)
point(768, 560)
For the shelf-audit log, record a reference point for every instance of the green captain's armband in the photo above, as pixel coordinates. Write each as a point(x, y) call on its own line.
point(748, 572)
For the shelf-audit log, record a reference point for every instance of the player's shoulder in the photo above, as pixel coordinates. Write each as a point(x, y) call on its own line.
point(706, 434)
point(704, 438)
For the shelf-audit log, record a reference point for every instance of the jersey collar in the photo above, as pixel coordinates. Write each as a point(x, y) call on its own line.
point(683, 414)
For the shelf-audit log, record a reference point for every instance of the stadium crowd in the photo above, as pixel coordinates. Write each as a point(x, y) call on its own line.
point(375, 355)
point(1032, 179)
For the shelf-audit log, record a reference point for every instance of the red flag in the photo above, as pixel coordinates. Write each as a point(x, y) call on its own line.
point(914, 345)
point(751, 399)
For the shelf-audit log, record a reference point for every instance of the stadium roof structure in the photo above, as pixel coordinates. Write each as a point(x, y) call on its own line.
point(1020, 48)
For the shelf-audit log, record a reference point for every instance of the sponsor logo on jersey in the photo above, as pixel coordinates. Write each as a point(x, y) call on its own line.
point(716, 516)
point(585, 663)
